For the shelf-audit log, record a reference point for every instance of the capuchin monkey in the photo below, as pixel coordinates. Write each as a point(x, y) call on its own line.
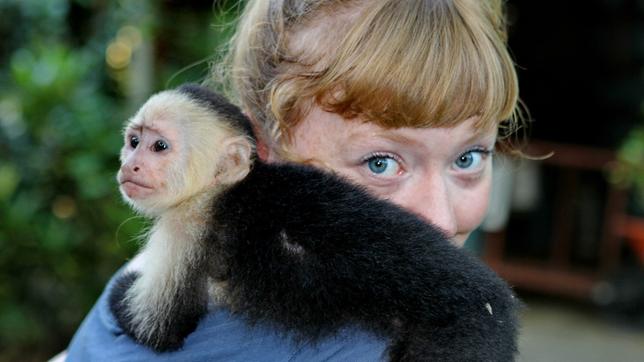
point(300, 249)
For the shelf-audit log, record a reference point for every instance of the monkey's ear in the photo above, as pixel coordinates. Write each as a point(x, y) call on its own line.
point(235, 162)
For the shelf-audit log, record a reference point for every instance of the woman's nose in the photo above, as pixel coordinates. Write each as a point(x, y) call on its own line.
point(431, 200)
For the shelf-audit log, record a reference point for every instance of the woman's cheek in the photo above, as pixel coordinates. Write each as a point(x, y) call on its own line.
point(470, 208)
point(378, 186)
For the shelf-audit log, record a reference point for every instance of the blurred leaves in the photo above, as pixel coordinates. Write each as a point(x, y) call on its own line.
point(59, 206)
point(9, 178)
point(629, 168)
point(68, 77)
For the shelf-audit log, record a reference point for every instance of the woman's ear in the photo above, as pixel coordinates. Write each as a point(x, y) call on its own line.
point(261, 147)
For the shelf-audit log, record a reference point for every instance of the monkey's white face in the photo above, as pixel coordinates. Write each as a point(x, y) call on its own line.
point(175, 149)
point(149, 161)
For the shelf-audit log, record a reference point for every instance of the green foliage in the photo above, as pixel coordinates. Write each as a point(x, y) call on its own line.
point(58, 202)
point(629, 170)
point(63, 227)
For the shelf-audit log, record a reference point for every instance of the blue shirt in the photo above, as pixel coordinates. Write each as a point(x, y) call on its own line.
point(220, 336)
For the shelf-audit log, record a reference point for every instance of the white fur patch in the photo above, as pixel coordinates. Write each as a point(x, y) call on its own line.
point(173, 244)
point(489, 308)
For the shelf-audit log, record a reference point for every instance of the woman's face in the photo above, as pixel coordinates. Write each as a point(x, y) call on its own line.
point(442, 174)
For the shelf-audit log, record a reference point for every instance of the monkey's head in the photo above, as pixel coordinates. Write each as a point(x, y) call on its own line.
point(176, 147)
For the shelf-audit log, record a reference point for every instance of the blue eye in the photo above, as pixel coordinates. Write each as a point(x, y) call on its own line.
point(465, 160)
point(471, 159)
point(378, 165)
point(383, 165)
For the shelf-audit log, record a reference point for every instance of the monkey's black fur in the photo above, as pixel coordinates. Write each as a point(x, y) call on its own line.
point(308, 253)
point(220, 106)
point(311, 253)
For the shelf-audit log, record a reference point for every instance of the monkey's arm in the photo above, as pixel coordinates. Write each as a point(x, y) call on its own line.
point(160, 304)
point(162, 330)
point(219, 336)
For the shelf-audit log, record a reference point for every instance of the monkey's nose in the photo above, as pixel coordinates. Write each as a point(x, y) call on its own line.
point(136, 168)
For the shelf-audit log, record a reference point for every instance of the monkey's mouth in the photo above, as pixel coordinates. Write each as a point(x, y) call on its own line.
point(132, 182)
point(133, 188)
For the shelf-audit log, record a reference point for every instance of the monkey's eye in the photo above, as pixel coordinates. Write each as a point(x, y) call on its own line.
point(134, 141)
point(160, 145)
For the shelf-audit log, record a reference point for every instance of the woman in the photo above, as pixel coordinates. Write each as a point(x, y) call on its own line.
point(404, 97)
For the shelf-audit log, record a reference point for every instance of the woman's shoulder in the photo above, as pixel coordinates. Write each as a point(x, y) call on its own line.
point(220, 335)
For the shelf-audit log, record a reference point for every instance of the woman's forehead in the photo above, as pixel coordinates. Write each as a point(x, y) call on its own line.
point(464, 132)
point(321, 127)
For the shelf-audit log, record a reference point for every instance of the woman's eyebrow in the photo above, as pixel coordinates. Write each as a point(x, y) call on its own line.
point(482, 136)
point(400, 139)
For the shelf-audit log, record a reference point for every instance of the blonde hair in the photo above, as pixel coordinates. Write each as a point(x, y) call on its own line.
point(397, 63)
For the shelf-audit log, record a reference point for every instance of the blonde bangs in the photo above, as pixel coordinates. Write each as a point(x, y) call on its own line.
point(396, 63)
point(397, 69)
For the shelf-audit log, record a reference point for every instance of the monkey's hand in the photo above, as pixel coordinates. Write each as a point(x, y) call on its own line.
point(162, 327)
point(119, 304)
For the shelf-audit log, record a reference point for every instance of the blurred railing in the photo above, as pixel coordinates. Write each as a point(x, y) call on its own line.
point(557, 273)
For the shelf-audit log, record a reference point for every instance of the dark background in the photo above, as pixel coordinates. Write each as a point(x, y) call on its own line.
point(581, 68)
